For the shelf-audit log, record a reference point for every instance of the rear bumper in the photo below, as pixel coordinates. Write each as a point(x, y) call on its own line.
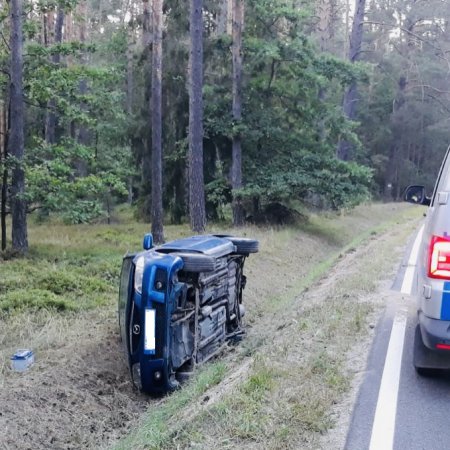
point(434, 331)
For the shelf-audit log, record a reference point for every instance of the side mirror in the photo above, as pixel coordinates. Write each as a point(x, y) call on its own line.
point(416, 194)
point(148, 241)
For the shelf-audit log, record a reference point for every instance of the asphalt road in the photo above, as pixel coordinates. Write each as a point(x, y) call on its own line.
point(397, 409)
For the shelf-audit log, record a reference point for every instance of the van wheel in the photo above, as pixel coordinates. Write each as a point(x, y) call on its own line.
point(424, 362)
point(427, 372)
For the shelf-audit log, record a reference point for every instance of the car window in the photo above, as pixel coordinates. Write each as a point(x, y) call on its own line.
point(443, 180)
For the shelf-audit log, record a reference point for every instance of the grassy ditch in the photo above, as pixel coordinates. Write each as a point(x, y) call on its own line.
point(293, 366)
point(273, 390)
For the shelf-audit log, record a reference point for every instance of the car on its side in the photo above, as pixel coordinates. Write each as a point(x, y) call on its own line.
point(180, 303)
point(432, 337)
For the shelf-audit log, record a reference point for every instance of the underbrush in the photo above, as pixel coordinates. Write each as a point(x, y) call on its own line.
point(70, 268)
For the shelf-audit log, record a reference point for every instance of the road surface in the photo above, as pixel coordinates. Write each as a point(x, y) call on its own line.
point(397, 409)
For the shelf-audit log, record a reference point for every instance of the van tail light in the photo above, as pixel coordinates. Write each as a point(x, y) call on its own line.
point(439, 258)
point(443, 346)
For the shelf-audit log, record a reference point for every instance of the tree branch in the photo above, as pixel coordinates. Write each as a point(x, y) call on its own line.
point(420, 38)
point(421, 86)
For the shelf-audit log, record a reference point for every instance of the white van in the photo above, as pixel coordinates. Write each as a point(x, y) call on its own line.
point(432, 338)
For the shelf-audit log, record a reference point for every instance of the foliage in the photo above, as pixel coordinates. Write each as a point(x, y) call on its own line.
point(292, 118)
point(53, 186)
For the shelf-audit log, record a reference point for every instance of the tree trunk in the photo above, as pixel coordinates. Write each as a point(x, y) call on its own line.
point(222, 17)
point(157, 207)
point(129, 97)
point(16, 133)
point(51, 119)
point(236, 167)
point(146, 35)
point(83, 134)
point(230, 17)
point(196, 180)
point(346, 32)
point(326, 12)
point(351, 95)
point(4, 155)
point(391, 178)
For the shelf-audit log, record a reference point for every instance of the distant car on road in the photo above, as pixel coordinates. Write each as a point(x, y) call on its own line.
point(179, 304)
point(432, 338)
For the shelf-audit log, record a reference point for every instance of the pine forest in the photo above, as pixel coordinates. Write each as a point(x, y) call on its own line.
point(216, 110)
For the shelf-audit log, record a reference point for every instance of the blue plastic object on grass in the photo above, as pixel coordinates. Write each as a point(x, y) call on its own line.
point(22, 360)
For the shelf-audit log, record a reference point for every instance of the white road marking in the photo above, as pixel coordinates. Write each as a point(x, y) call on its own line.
point(410, 270)
point(383, 428)
point(384, 423)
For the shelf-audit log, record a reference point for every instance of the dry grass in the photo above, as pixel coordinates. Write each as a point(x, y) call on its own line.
point(80, 381)
point(295, 354)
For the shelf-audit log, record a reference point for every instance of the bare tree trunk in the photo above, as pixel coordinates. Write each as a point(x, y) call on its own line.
point(391, 177)
point(83, 134)
point(196, 180)
point(68, 29)
point(157, 207)
point(230, 17)
point(236, 167)
point(222, 17)
point(326, 12)
point(129, 97)
point(51, 119)
point(146, 35)
point(4, 155)
point(351, 95)
point(347, 26)
point(146, 164)
point(16, 133)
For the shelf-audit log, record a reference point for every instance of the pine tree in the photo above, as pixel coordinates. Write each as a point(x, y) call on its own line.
point(16, 131)
point(196, 179)
point(157, 207)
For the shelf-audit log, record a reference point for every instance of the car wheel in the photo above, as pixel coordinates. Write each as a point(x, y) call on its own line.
point(194, 262)
point(244, 246)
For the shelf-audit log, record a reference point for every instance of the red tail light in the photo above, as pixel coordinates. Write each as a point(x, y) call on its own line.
point(439, 258)
point(443, 346)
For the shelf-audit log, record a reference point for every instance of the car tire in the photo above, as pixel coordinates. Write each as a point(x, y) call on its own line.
point(244, 246)
point(194, 262)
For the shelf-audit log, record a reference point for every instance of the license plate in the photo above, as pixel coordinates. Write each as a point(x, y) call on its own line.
point(149, 335)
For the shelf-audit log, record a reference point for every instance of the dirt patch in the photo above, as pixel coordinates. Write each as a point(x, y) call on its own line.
point(76, 395)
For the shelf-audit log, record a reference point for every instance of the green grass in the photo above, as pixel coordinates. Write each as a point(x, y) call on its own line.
point(70, 268)
point(159, 427)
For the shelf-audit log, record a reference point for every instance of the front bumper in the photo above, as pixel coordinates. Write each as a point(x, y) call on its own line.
point(434, 331)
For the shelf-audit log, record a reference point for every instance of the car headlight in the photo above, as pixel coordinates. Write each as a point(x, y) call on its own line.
point(139, 274)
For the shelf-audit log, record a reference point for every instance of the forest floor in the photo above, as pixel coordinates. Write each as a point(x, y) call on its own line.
point(312, 291)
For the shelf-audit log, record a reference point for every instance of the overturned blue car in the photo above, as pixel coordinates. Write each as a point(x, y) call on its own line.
point(179, 305)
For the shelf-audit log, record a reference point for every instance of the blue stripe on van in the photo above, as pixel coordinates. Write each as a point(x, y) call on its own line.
point(445, 305)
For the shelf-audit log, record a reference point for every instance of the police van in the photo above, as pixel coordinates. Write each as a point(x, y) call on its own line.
point(432, 338)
